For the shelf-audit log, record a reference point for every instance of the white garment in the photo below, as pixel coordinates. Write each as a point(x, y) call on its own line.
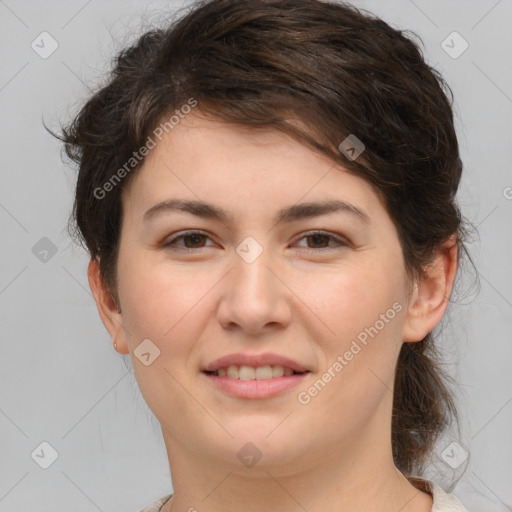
point(155, 506)
point(442, 501)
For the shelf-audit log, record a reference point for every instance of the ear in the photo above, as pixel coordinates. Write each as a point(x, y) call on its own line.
point(109, 313)
point(431, 293)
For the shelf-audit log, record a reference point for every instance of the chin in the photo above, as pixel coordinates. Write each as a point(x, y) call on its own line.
point(262, 447)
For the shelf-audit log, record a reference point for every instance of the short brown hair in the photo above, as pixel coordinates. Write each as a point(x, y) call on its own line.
point(339, 71)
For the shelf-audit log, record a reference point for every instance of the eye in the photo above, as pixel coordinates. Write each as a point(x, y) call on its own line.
point(322, 237)
point(197, 238)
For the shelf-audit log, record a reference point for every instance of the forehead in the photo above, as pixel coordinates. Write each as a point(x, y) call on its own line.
point(205, 158)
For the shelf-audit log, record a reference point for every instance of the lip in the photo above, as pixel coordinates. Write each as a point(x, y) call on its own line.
point(264, 388)
point(255, 360)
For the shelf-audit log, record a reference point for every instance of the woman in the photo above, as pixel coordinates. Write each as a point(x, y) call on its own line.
point(267, 192)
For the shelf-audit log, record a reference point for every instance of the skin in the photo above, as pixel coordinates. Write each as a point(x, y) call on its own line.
point(297, 299)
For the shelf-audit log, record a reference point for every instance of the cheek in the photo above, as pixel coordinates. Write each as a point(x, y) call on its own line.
point(169, 305)
point(159, 305)
point(350, 300)
point(367, 309)
point(358, 361)
point(164, 307)
point(363, 308)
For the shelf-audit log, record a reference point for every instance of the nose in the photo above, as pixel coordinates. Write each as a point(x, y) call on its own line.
point(255, 297)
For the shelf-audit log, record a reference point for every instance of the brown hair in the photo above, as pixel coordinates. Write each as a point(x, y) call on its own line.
point(338, 71)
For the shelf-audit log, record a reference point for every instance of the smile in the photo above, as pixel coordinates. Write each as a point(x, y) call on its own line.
point(254, 383)
point(244, 372)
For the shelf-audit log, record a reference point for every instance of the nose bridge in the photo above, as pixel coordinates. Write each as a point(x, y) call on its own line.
point(254, 297)
point(252, 275)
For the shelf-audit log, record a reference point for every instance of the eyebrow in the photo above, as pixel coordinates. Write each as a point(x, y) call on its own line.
point(289, 214)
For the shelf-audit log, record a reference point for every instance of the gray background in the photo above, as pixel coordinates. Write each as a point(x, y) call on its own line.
point(62, 382)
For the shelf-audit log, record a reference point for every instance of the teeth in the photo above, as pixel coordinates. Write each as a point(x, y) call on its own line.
point(244, 372)
point(233, 372)
point(264, 372)
point(247, 373)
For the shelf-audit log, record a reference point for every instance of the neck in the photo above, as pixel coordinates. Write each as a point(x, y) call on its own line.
point(359, 476)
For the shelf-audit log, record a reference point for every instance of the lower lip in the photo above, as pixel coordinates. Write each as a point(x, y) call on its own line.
point(255, 388)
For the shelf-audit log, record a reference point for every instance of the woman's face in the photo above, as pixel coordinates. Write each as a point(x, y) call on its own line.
point(252, 283)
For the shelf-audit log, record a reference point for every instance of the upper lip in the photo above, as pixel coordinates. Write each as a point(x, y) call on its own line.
point(255, 360)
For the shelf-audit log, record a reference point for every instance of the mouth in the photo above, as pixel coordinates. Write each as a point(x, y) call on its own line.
point(254, 382)
point(244, 372)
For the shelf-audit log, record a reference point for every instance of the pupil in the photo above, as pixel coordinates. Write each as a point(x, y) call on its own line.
point(195, 237)
point(316, 237)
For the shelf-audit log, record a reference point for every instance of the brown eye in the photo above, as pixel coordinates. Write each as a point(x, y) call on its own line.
point(192, 240)
point(320, 240)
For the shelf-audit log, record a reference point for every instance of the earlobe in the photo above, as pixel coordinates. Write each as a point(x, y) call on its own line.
point(431, 293)
point(108, 310)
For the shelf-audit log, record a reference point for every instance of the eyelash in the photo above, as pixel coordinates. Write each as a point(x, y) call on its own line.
point(171, 244)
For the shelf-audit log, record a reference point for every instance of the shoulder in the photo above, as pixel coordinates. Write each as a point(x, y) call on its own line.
point(155, 506)
point(441, 500)
point(444, 502)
